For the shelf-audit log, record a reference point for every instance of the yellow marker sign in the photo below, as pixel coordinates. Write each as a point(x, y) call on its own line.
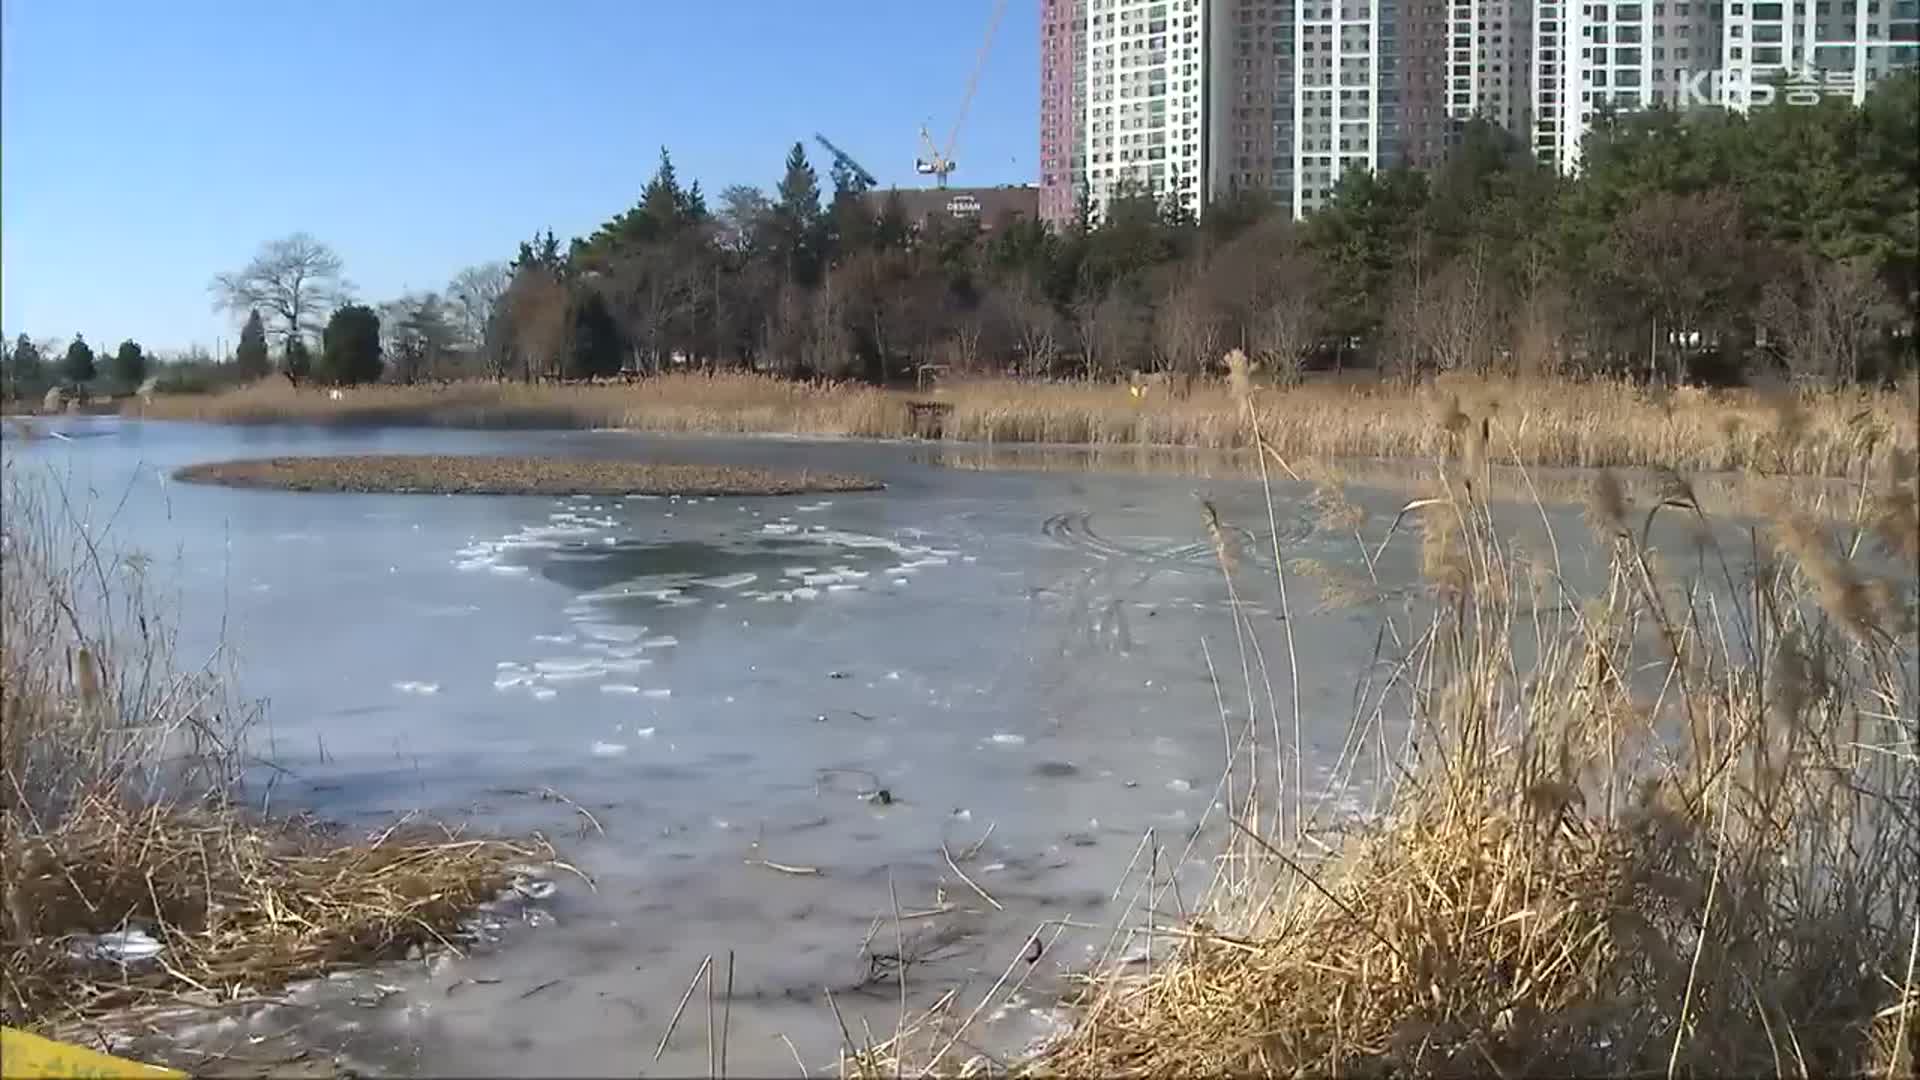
point(30, 1056)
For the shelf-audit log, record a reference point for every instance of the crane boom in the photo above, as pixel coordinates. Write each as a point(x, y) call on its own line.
point(845, 160)
point(939, 162)
point(973, 81)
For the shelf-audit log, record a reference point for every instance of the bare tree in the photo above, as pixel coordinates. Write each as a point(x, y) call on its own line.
point(539, 313)
point(295, 282)
point(1093, 309)
point(1820, 319)
point(1186, 328)
point(1539, 331)
point(473, 294)
point(1459, 331)
point(1267, 285)
point(655, 292)
point(1110, 324)
point(1682, 259)
point(826, 347)
point(1284, 330)
point(1034, 323)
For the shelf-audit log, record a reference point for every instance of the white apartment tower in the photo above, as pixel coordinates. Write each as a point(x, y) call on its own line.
point(1146, 74)
point(1811, 48)
point(1204, 97)
point(1488, 48)
point(1336, 95)
point(1623, 55)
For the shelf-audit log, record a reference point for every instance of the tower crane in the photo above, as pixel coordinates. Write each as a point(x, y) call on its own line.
point(938, 162)
point(845, 161)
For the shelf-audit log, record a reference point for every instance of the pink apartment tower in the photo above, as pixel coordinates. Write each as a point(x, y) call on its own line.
point(1063, 28)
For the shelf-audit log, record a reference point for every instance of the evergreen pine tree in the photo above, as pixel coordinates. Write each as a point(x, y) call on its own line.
point(251, 354)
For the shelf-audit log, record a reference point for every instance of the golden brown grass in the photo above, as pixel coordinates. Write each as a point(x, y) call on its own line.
point(718, 404)
point(1662, 822)
point(1549, 423)
point(475, 474)
point(119, 772)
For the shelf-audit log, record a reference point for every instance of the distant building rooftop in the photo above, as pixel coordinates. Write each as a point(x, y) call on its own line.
point(991, 206)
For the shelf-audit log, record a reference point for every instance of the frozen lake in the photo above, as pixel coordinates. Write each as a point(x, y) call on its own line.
point(724, 683)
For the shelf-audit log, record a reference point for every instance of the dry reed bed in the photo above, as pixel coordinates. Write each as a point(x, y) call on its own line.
point(1668, 826)
point(119, 768)
point(476, 474)
point(1553, 423)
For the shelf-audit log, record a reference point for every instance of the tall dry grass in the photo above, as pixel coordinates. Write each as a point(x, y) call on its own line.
point(1660, 821)
point(1666, 825)
point(718, 404)
point(1599, 424)
point(121, 774)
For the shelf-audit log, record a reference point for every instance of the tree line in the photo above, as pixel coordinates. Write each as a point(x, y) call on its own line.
point(1701, 246)
point(1707, 245)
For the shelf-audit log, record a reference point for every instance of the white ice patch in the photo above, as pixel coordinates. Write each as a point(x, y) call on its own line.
point(779, 528)
point(417, 687)
point(608, 749)
point(619, 688)
point(554, 639)
point(544, 693)
point(813, 508)
point(1004, 738)
point(610, 632)
point(731, 581)
point(664, 641)
point(657, 694)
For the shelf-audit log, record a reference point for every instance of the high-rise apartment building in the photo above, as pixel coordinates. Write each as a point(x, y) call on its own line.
point(1828, 46)
point(1489, 47)
point(1146, 69)
point(1415, 114)
point(1063, 90)
point(1207, 97)
point(1252, 74)
point(1336, 94)
point(1623, 55)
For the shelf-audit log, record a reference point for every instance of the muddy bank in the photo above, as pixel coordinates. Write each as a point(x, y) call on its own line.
point(448, 474)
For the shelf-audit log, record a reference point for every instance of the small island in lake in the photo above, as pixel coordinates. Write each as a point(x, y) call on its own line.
point(452, 474)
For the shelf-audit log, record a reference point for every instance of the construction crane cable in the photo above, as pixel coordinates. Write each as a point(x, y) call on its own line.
point(939, 163)
point(973, 82)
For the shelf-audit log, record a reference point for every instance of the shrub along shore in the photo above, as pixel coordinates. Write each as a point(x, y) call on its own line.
point(1588, 424)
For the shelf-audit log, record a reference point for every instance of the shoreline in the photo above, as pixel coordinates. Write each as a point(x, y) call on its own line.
point(1562, 423)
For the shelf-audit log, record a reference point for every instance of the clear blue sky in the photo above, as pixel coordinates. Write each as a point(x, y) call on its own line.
point(145, 146)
